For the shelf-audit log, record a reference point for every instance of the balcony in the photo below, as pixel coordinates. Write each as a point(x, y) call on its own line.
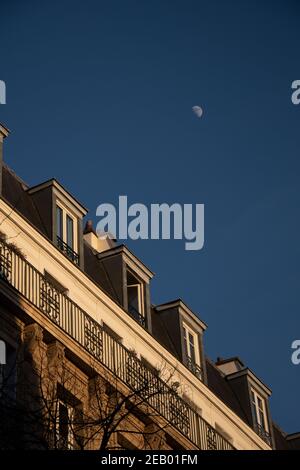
point(194, 368)
point(60, 310)
point(67, 250)
point(263, 434)
point(136, 315)
point(5, 262)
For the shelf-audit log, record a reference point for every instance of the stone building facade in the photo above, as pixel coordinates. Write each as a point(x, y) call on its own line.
point(91, 363)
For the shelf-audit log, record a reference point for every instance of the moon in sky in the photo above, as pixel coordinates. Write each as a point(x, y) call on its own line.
point(198, 111)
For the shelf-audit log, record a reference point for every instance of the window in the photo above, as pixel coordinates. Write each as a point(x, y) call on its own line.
point(2, 379)
point(8, 372)
point(135, 297)
point(68, 419)
point(191, 351)
point(59, 222)
point(190, 345)
point(66, 234)
point(70, 232)
point(258, 407)
point(64, 422)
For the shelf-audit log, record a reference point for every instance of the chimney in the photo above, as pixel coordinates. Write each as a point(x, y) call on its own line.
point(99, 242)
point(230, 365)
point(3, 133)
point(90, 235)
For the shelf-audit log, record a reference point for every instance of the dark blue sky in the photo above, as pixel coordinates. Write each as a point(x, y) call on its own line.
point(99, 95)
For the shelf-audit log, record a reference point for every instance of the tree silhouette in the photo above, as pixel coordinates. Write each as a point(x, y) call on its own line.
point(46, 404)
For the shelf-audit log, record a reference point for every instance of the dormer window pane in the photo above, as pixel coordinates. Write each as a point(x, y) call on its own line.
point(67, 240)
point(135, 298)
point(259, 411)
point(185, 342)
point(192, 351)
point(70, 232)
point(190, 345)
point(59, 222)
point(192, 348)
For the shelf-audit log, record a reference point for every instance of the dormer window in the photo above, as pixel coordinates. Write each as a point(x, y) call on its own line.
point(61, 217)
point(252, 392)
point(259, 413)
point(130, 281)
point(66, 231)
point(135, 297)
point(185, 333)
point(191, 350)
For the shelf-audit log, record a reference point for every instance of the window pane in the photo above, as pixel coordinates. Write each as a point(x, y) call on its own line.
point(70, 232)
point(185, 343)
point(262, 419)
point(192, 348)
point(59, 222)
point(192, 355)
point(63, 422)
point(191, 339)
point(254, 414)
point(8, 374)
point(133, 297)
point(257, 404)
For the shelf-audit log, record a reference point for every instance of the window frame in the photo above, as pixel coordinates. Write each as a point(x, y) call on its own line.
point(59, 222)
point(140, 290)
point(9, 372)
point(256, 409)
point(68, 220)
point(186, 343)
point(65, 215)
point(71, 413)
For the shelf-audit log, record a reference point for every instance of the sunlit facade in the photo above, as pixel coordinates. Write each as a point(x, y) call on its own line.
point(71, 298)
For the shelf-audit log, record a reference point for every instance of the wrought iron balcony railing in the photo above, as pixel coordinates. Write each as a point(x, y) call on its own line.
point(67, 250)
point(134, 313)
point(263, 434)
point(194, 368)
point(81, 327)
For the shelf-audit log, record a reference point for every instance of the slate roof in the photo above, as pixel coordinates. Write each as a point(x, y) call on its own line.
point(14, 190)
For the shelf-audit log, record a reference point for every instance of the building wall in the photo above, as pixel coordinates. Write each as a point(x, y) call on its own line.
point(44, 256)
point(43, 368)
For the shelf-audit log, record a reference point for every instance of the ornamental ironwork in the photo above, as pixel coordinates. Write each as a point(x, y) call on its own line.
point(49, 300)
point(5, 262)
point(93, 338)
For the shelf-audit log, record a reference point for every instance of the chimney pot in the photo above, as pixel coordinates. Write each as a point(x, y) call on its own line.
point(89, 227)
